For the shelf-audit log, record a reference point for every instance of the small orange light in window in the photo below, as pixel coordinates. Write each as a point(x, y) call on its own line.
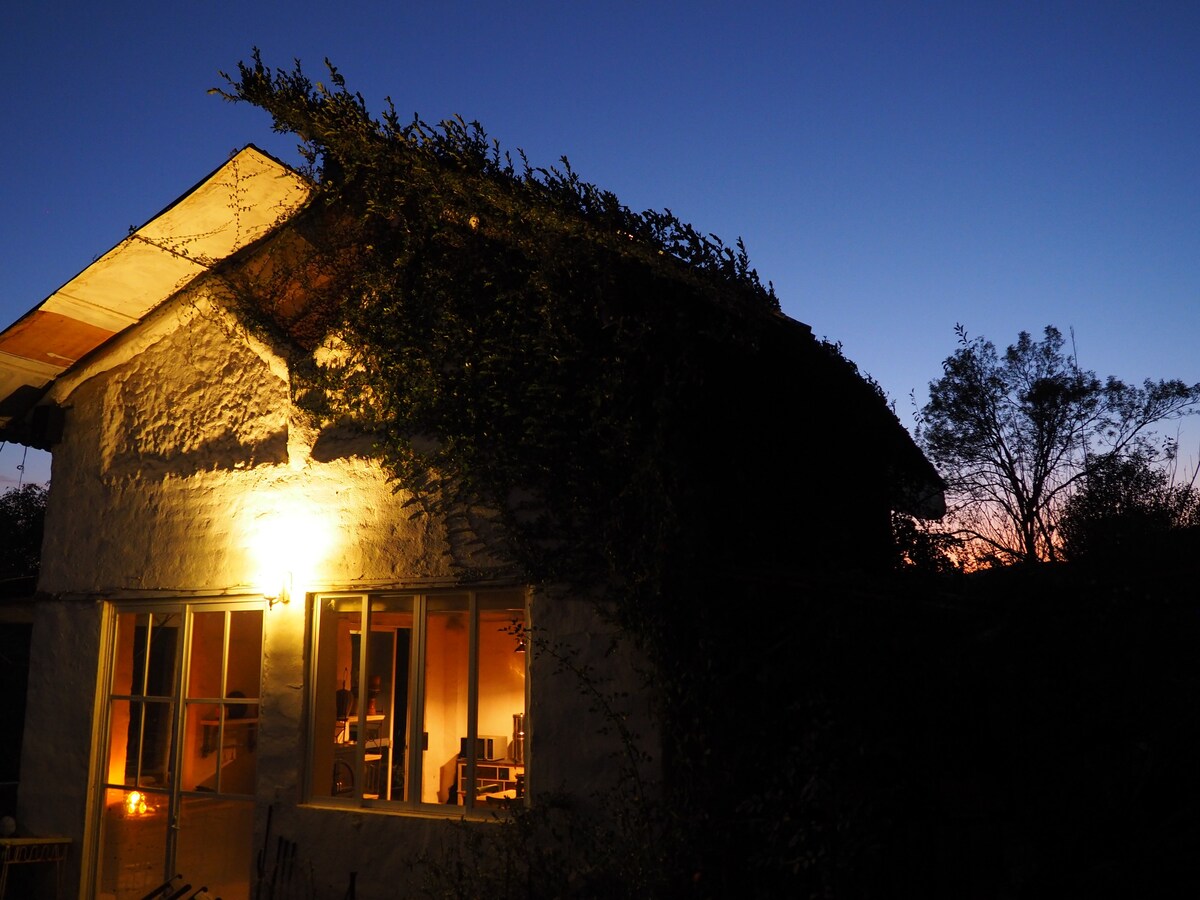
point(135, 803)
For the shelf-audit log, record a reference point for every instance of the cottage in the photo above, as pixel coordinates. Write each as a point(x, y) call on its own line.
point(251, 664)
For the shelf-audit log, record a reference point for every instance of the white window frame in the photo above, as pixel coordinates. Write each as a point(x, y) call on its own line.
point(186, 608)
point(413, 749)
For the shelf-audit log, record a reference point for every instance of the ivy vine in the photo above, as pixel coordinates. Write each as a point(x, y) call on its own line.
point(611, 397)
point(517, 339)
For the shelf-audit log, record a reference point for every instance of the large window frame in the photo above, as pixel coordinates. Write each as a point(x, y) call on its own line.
point(176, 762)
point(392, 650)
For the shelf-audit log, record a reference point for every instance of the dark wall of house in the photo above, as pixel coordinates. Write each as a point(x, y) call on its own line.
point(14, 682)
point(791, 455)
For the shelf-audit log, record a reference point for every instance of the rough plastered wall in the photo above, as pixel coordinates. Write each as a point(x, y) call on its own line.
point(184, 471)
point(184, 468)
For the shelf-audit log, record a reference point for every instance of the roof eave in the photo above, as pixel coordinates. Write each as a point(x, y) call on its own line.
point(237, 204)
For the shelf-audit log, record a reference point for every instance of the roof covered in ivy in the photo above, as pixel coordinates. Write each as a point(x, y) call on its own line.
point(644, 270)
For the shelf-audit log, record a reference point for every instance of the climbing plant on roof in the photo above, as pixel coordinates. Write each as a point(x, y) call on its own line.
point(517, 338)
point(613, 394)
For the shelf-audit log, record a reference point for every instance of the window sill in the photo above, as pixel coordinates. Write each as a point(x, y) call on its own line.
point(486, 813)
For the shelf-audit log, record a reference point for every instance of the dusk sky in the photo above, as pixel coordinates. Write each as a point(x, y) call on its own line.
point(893, 168)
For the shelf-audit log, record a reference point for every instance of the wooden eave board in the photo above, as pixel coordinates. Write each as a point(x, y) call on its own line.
point(237, 204)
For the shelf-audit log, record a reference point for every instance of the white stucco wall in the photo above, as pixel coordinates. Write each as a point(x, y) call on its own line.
point(185, 471)
point(185, 439)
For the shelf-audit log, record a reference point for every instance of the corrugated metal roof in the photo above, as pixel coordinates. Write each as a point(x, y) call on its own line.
point(237, 204)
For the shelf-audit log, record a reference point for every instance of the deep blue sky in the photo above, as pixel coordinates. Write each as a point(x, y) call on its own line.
point(893, 168)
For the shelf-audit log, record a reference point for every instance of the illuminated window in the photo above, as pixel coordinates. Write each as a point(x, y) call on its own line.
point(417, 697)
point(180, 764)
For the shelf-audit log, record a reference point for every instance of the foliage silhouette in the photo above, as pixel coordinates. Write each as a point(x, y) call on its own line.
point(1129, 512)
point(1016, 436)
point(22, 514)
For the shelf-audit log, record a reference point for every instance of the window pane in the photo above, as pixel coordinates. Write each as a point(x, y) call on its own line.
point(120, 714)
point(139, 745)
point(386, 724)
point(501, 717)
point(213, 837)
point(208, 647)
point(133, 843)
point(502, 679)
point(222, 735)
point(201, 746)
point(335, 758)
point(158, 662)
point(219, 756)
point(447, 627)
point(139, 638)
point(124, 652)
point(243, 677)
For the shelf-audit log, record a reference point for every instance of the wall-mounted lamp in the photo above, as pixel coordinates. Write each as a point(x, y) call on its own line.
point(517, 630)
point(287, 535)
point(284, 594)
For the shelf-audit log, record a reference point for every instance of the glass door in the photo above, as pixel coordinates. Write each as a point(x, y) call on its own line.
point(180, 750)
